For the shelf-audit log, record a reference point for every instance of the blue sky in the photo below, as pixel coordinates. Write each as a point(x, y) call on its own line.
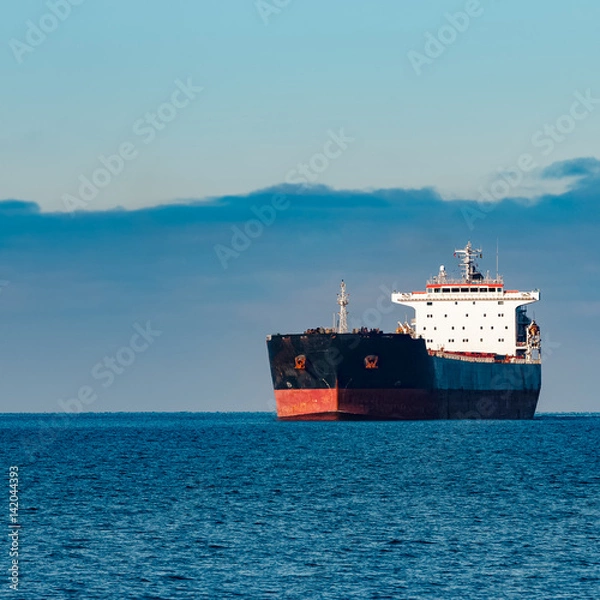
point(272, 91)
point(397, 159)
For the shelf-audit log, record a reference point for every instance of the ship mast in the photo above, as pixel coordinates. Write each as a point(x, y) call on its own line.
point(468, 266)
point(342, 300)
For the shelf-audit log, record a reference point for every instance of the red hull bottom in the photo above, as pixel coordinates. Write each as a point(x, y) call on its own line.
point(405, 404)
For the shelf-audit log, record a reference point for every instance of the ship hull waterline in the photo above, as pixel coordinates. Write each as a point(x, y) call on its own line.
point(406, 383)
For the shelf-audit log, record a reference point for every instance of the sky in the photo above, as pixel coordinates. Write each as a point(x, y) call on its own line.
point(138, 139)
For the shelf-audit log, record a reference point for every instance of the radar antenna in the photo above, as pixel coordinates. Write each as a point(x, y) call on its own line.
point(468, 266)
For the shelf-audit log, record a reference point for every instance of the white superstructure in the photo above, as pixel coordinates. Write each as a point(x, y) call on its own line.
point(473, 314)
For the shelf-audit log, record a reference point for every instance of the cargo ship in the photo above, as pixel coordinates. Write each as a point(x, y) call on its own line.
point(470, 352)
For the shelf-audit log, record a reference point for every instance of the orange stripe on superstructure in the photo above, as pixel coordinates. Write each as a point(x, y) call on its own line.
point(461, 285)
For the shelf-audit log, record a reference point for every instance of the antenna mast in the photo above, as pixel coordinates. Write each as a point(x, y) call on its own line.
point(468, 266)
point(342, 300)
point(497, 272)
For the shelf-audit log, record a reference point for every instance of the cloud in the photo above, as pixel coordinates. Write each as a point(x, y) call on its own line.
point(12, 207)
point(576, 167)
point(79, 281)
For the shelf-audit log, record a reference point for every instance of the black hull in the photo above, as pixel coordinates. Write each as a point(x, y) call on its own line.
point(392, 376)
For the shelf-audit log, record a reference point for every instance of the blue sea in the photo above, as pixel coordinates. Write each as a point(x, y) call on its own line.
point(167, 506)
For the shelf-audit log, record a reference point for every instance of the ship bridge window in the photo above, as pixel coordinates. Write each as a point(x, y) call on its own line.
point(455, 290)
point(437, 290)
point(483, 289)
point(445, 290)
point(474, 289)
point(463, 290)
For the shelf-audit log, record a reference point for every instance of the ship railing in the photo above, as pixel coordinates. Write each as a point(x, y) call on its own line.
point(481, 359)
point(484, 359)
point(460, 280)
point(493, 293)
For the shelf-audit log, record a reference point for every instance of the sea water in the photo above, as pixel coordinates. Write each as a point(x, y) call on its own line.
point(243, 506)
